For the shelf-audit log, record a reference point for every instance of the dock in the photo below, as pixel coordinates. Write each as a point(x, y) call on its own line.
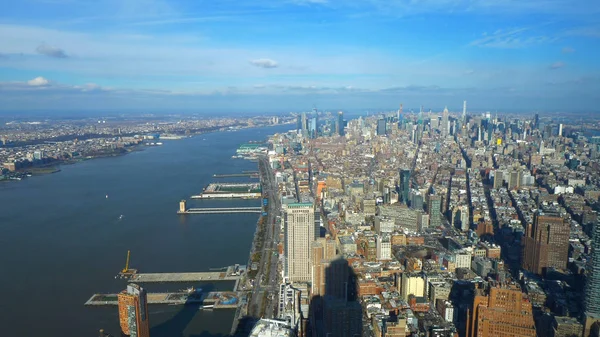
point(182, 277)
point(221, 210)
point(218, 300)
point(230, 190)
point(234, 175)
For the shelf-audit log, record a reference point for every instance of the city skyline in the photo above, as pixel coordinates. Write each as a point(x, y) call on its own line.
point(265, 55)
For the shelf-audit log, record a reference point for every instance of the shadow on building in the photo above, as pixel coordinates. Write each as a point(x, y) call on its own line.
point(336, 312)
point(176, 325)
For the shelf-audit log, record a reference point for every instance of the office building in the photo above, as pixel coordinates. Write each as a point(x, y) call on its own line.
point(312, 128)
point(381, 127)
point(340, 124)
point(323, 252)
point(299, 234)
point(444, 125)
point(416, 200)
point(271, 328)
point(546, 243)
point(502, 312)
point(384, 248)
point(404, 186)
point(412, 284)
point(133, 311)
point(298, 123)
point(304, 125)
point(592, 284)
point(434, 206)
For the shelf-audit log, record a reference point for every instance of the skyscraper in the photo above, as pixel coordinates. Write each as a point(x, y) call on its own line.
point(592, 284)
point(502, 312)
point(546, 243)
point(304, 125)
point(445, 122)
point(381, 127)
point(298, 123)
point(133, 311)
point(434, 206)
point(340, 124)
point(299, 235)
point(464, 116)
point(404, 186)
point(323, 252)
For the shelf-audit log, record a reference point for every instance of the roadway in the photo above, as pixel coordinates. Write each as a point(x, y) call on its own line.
point(265, 291)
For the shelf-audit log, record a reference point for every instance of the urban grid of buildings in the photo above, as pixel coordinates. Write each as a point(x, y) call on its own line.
point(438, 224)
point(408, 224)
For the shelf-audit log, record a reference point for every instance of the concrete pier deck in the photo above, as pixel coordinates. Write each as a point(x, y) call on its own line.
point(220, 300)
point(182, 277)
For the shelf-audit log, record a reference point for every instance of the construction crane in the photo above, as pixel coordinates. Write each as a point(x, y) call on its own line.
point(126, 269)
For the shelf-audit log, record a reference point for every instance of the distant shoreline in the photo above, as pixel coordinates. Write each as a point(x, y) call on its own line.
point(44, 170)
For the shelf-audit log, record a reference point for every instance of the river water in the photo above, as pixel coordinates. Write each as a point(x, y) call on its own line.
point(61, 239)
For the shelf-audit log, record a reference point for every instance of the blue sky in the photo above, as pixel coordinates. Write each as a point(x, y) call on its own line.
point(269, 55)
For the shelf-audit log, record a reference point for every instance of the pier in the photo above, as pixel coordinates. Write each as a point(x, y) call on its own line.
point(230, 190)
point(221, 210)
point(182, 277)
point(251, 175)
point(217, 300)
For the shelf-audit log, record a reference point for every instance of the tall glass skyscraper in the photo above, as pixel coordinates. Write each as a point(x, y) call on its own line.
point(592, 285)
point(340, 123)
point(404, 185)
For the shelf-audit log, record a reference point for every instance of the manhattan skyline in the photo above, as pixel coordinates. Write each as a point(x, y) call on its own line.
point(78, 55)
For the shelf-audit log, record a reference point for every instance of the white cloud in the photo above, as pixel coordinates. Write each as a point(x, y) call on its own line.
point(556, 65)
point(264, 63)
point(38, 82)
point(568, 50)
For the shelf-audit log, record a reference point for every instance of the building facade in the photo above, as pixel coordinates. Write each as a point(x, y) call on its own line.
point(299, 235)
point(133, 311)
point(501, 312)
point(546, 243)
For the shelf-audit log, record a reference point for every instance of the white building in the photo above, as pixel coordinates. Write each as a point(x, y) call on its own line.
point(462, 260)
point(384, 225)
point(412, 284)
point(384, 248)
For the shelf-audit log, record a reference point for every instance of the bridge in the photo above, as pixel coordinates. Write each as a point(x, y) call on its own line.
point(222, 210)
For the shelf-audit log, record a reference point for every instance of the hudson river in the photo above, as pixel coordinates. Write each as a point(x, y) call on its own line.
point(62, 240)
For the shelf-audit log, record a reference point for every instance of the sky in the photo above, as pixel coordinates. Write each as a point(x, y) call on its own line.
point(293, 55)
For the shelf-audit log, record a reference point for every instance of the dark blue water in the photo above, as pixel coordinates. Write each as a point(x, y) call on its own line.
point(61, 239)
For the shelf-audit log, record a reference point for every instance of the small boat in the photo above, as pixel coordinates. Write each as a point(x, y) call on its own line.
point(120, 216)
point(107, 196)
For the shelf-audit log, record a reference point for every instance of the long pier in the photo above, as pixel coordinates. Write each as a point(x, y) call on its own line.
point(221, 210)
point(218, 300)
point(182, 277)
point(251, 175)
